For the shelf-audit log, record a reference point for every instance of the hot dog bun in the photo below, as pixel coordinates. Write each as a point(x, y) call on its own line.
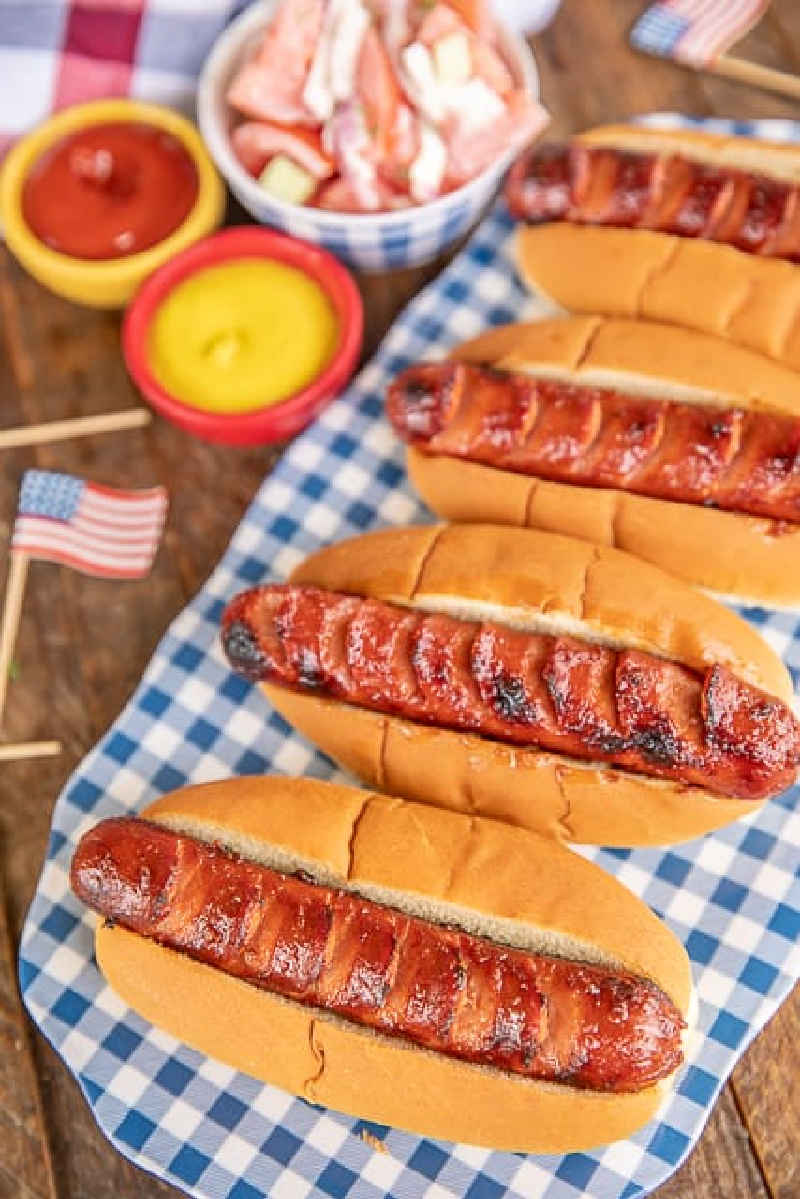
point(478, 874)
point(549, 583)
point(751, 300)
point(746, 557)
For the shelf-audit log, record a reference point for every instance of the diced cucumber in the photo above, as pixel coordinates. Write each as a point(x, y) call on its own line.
point(452, 59)
point(285, 180)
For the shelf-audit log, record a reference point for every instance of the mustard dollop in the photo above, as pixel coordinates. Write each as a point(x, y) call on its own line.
point(242, 335)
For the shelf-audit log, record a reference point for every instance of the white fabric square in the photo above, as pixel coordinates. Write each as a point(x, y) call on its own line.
point(30, 77)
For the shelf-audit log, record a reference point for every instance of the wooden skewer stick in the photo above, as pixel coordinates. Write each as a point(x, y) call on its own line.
point(751, 72)
point(12, 613)
point(756, 75)
point(21, 750)
point(79, 426)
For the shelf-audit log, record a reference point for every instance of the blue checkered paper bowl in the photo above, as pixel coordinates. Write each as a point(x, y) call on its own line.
point(368, 241)
point(733, 897)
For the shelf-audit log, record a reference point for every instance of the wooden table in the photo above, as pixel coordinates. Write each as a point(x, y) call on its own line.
point(83, 644)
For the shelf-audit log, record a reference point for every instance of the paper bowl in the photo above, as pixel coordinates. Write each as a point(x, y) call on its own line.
point(274, 422)
point(104, 283)
point(368, 241)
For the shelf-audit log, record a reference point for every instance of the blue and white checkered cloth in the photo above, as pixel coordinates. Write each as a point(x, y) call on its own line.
point(733, 898)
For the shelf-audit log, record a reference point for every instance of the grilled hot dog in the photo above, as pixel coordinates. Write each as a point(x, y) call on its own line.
point(563, 694)
point(666, 443)
point(693, 228)
point(240, 900)
point(668, 192)
point(725, 458)
point(490, 669)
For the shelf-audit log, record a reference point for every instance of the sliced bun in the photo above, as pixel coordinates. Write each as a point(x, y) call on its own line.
point(745, 557)
point(778, 160)
point(750, 300)
point(644, 357)
point(550, 583)
point(511, 886)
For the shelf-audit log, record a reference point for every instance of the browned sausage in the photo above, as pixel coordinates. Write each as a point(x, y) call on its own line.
point(729, 458)
point(668, 193)
point(435, 986)
point(622, 706)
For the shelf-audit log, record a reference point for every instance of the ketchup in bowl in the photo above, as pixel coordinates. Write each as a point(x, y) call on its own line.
point(110, 190)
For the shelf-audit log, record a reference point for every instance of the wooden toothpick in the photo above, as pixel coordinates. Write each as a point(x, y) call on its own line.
point(12, 613)
point(22, 750)
point(756, 75)
point(79, 426)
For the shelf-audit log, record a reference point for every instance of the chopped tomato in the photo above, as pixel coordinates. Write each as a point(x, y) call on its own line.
point(256, 93)
point(270, 85)
point(389, 121)
point(338, 196)
point(378, 89)
point(489, 66)
point(477, 14)
point(292, 36)
point(256, 142)
point(439, 22)
point(472, 150)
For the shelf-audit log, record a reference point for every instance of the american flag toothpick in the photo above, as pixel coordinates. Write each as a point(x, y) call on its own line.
point(98, 530)
point(698, 34)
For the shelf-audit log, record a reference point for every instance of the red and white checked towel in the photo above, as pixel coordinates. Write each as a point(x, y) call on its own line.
point(54, 53)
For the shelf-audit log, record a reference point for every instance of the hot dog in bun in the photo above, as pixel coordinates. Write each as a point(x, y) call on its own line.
point(675, 446)
point(692, 228)
point(449, 976)
point(529, 677)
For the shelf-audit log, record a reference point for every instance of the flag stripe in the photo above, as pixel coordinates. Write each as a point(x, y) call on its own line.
point(719, 28)
point(45, 530)
point(132, 520)
point(40, 534)
point(122, 510)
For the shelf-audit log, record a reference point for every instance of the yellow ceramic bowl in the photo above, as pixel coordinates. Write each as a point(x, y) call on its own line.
point(108, 283)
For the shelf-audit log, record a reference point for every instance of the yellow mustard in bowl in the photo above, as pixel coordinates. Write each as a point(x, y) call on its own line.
point(242, 335)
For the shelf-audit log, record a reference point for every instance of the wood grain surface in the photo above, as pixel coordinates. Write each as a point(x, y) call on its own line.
point(83, 644)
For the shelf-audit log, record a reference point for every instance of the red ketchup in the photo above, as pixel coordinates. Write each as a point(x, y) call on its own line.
point(110, 190)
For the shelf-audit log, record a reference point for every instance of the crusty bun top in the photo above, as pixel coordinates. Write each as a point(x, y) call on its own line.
point(549, 583)
point(662, 361)
point(775, 159)
point(511, 885)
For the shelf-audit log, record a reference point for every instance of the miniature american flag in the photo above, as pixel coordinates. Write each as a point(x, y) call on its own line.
point(98, 530)
point(695, 32)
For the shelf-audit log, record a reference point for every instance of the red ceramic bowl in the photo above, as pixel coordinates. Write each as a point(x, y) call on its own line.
point(280, 420)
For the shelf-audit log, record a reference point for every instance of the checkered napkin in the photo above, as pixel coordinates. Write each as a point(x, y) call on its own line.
point(733, 897)
point(54, 53)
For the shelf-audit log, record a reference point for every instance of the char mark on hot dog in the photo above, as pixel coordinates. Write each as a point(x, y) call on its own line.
point(433, 985)
point(668, 193)
point(621, 706)
point(730, 458)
